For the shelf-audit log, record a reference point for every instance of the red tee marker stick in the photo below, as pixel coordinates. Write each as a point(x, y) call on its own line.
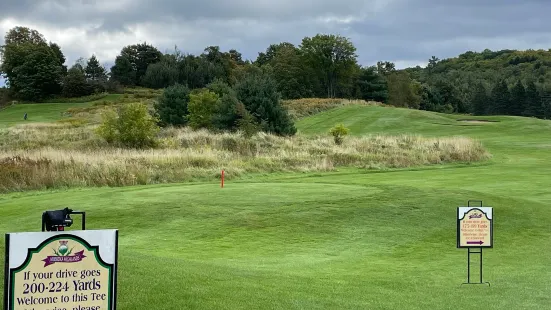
point(222, 185)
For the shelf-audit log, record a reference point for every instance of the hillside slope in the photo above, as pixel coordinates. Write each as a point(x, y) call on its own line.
point(390, 120)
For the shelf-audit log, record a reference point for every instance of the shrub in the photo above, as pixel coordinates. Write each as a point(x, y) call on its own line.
point(172, 106)
point(202, 106)
point(338, 132)
point(130, 126)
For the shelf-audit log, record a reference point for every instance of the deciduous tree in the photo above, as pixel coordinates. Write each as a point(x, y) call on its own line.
point(139, 56)
point(34, 69)
point(162, 74)
point(123, 71)
point(332, 57)
point(202, 106)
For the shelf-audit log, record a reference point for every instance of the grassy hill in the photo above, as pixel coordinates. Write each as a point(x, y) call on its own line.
point(48, 112)
point(350, 239)
point(39, 112)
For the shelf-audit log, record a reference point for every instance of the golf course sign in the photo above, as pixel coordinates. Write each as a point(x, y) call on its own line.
point(61, 270)
point(475, 227)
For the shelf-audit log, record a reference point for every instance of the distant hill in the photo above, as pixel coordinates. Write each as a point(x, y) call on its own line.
point(505, 82)
point(492, 65)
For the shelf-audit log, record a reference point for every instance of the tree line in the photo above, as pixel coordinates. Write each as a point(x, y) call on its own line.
point(324, 66)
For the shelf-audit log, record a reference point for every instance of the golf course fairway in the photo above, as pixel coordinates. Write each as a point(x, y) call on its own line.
point(349, 239)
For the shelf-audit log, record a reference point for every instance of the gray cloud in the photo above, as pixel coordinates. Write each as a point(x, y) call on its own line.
point(405, 31)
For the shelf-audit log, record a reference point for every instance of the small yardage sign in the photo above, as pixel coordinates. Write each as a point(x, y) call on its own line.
point(475, 227)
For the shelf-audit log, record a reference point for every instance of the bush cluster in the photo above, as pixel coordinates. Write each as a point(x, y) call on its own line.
point(253, 104)
point(130, 125)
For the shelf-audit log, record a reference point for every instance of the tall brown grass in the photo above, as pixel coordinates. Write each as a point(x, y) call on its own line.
point(309, 106)
point(41, 156)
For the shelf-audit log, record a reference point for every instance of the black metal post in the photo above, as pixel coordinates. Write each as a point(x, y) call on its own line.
point(43, 222)
point(116, 270)
point(469, 252)
point(469, 265)
point(480, 265)
point(469, 202)
point(83, 218)
point(7, 274)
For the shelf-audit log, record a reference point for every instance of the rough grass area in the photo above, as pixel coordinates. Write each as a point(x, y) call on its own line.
point(66, 154)
point(299, 108)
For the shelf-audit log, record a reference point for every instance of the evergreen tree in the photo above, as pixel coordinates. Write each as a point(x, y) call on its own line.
point(94, 71)
point(372, 85)
point(480, 101)
point(74, 83)
point(172, 107)
point(258, 92)
point(533, 101)
point(226, 115)
point(546, 104)
point(500, 99)
point(518, 99)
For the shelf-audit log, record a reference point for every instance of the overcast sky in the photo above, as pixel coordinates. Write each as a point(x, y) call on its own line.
point(406, 32)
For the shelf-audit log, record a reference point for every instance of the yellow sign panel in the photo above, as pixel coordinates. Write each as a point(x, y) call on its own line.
point(63, 273)
point(474, 227)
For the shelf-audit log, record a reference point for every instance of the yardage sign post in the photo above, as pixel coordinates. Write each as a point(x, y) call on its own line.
point(475, 230)
point(61, 270)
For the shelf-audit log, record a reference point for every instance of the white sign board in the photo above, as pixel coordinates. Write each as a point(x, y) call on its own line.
point(475, 227)
point(62, 270)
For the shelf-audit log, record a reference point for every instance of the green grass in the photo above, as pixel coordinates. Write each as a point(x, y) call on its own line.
point(36, 112)
point(351, 239)
point(44, 112)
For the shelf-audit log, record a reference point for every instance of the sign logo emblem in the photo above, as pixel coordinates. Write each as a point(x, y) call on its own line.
point(63, 248)
point(63, 255)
